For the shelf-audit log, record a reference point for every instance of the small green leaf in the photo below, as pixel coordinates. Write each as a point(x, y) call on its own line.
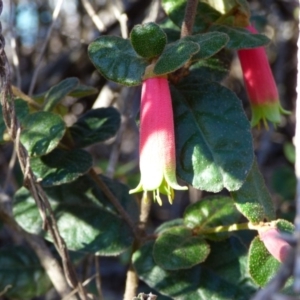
point(116, 60)
point(177, 248)
point(209, 121)
point(262, 265)
point(21, 109)
point(82, 91)
point(95, 126)
point(61, 166)
point(285, 226)
point(22, 274)
point(175, 56)
point(205, 15)
point(86, 219)
point(253, 199)
point(58, 92)
point(42, 132)
point(210, 43)
point(209, 213)
point(240, 38)
point(196, 283)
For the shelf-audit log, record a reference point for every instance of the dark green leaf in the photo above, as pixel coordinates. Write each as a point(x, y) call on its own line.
point(205, 16)
point(228, 259)
point(253, 199)
point(210, 43)
point(82, 91)
point(59, 92)
point(42, 132)
point(175, 56)
point(169, 224)
point(22, 274)
point(177, 248)
point(209, 124)
point(262, 265)
point(240, 38)
point(22, 110)
point(116, 60)
point(209, 213)
point(61, 166)
point(212, 69)
point(95, 126)
point(197, 283)
point(86, 219)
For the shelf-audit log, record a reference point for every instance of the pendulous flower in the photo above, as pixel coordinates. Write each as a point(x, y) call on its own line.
point(260, 85)
point(157, 141)
point(277, 247)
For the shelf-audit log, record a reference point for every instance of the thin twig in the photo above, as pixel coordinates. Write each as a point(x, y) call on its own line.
point(13, 44)
point(98, 278)
point(122, 19)
point(131, 285)
point(40, 58)
point(10, 170)
point(114, 201)
point(14, 130)
point(95, 18)
point(46, 258)
point(189, 18)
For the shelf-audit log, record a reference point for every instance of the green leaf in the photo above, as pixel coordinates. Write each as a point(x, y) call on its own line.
point(21, 270)
point(95, 126)
point(83, 90)
point(116, 60)
point(196, 283)
point(21, 109)
point(209, 213)
point(253, 199)
point(169, 224)
point(177, 248)
point(86, 219)
point(212, 69)
point(228, 259)
point(61, 166)
point(205, 16)
point(209, 121)
point(285, 226)
point(42, 132)
point(262, 265)
point(210, 43)
point(175, 56)
point(240, 38)
point(58, 92)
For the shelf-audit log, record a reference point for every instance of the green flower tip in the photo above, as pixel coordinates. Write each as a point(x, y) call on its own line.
point(268, 112)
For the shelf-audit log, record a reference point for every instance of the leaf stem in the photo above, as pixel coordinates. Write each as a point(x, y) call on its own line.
point(236, 227)
point(189, 18)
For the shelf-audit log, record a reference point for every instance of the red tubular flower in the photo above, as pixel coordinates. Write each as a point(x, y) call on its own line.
point(260, 85)
point(157, 141)
point(275, 245)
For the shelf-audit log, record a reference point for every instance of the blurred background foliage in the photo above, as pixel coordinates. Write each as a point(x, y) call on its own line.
point(25, 24)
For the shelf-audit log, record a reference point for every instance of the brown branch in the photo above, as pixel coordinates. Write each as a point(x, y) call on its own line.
point(47, 260)
point(14, 130)
point(189, 18)
point(115, 202)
